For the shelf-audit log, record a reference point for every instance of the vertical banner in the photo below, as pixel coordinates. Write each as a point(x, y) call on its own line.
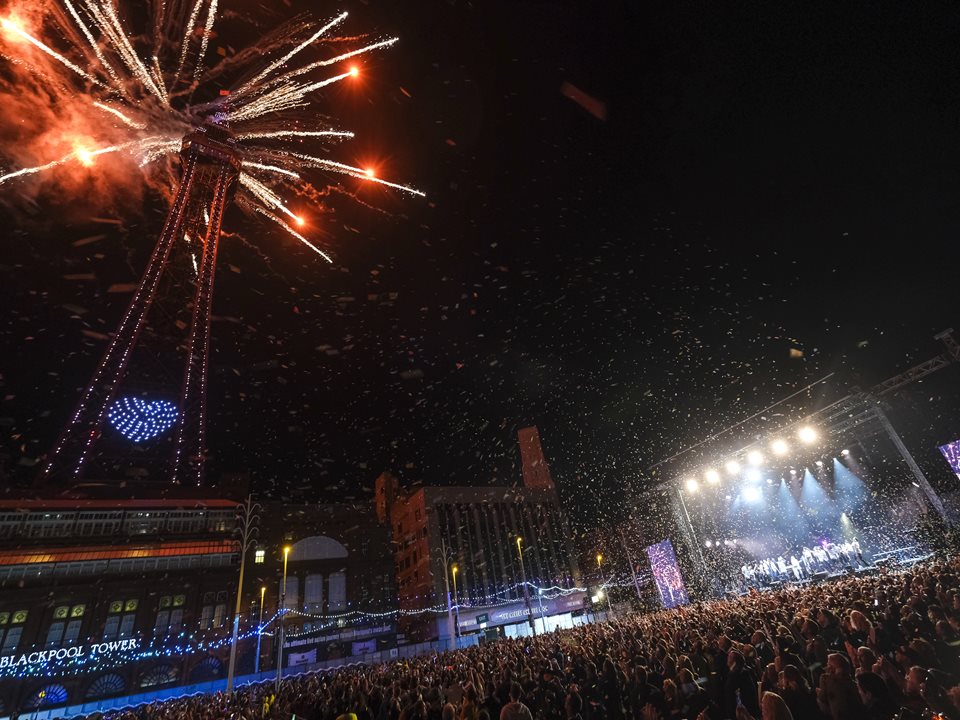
point(666, 574)
point(951, 453)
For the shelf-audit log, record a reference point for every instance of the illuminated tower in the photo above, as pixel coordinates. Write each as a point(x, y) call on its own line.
point(210, 168)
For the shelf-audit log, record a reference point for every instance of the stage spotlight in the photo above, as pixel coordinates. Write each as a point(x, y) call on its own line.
point(807, 435)
point(726, 543)
point(729, 497)
point(844, 452)
point(712, 476)
point(692, 485)
point(819, 463)
point(755, 457)
point(769, 481)
point(708, 543)
point(753, 475)
point(779, 447)
point(752, 494)
point(792, 471)
point(733, 467)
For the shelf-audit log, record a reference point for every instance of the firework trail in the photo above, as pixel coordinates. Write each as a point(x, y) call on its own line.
point(126, 100)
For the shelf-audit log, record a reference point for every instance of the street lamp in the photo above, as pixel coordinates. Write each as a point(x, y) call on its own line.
point(283, 611)
point(456, 603)
point(600, 569)
point(445, 555)
point(247, 517)
point(263, 591)
point(526, 590)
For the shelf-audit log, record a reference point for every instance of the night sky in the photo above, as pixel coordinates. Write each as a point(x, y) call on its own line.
point(771, 196)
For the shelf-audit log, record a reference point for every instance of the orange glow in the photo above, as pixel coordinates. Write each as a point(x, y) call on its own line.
point(354, 71)
point(13, 29)
point(370, 172)
point(300, 221)
point(84, 156)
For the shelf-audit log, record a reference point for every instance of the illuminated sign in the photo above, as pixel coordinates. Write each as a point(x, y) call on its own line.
point(75, 651)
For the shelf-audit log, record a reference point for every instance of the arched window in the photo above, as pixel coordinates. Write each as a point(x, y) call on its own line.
point(162, 674)
point(105, 685)
point(317, 547)
point(210, 668)
point(46, 696)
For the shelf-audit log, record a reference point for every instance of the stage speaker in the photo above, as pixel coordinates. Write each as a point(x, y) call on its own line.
point(819, 576)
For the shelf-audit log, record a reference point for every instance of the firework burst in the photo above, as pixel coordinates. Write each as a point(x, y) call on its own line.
point(141, 93)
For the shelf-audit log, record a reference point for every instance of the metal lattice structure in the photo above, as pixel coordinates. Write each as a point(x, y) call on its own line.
point(210, 169)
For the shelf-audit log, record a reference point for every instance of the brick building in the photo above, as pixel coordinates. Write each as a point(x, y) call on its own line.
point(478, 526)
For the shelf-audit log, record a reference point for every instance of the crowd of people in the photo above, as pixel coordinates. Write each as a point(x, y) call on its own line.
point(855, 648)
point(826, 557)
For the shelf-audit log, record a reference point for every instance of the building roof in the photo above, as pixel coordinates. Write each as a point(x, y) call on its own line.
point(106, 504)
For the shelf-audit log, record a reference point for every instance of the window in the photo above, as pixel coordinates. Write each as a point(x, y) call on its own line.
point(126, 625)
point(206, 617)
point(313, 593)
point(219, 615)
point(54, 634)
point(72, 633)
point(291, 595)
point(11, 640)
point(179, 600)
point(338, 591)
point(259, 556)
point(162, 623)
point(111, 626)
point(165, 602)
point(176, 619)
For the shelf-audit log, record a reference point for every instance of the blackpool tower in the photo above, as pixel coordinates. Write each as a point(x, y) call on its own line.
point(176, 419)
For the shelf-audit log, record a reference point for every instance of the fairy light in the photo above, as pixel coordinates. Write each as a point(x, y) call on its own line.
point(139, 420)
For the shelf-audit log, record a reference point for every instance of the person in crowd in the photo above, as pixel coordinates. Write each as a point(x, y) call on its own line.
point(874, 647)
point(875, 697)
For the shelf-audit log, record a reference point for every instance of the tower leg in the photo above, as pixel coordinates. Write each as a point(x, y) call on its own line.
point(190, 449)
point(72, 450)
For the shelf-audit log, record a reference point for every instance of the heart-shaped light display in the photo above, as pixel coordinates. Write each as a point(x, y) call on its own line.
point(141, 420)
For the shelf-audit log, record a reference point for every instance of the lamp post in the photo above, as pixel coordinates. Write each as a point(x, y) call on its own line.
point(543, 619)
point(445, 555)
point(600, 569)
point(246, 517)
point(456, 605)
point(283, 612)
point(256, 667)
point(526, 590)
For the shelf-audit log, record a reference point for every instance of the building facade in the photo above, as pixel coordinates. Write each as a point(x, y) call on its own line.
point(339, 598)
point(102, 598)
point(88, 587)
point(476, 529)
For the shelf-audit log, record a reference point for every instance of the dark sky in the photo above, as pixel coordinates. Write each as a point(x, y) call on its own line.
point(768, 177)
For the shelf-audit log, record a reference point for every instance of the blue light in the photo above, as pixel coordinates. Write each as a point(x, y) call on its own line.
point(141, 420)
point(752, 494)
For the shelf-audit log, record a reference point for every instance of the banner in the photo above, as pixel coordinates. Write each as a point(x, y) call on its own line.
point(666, 574)
point(307, 658)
